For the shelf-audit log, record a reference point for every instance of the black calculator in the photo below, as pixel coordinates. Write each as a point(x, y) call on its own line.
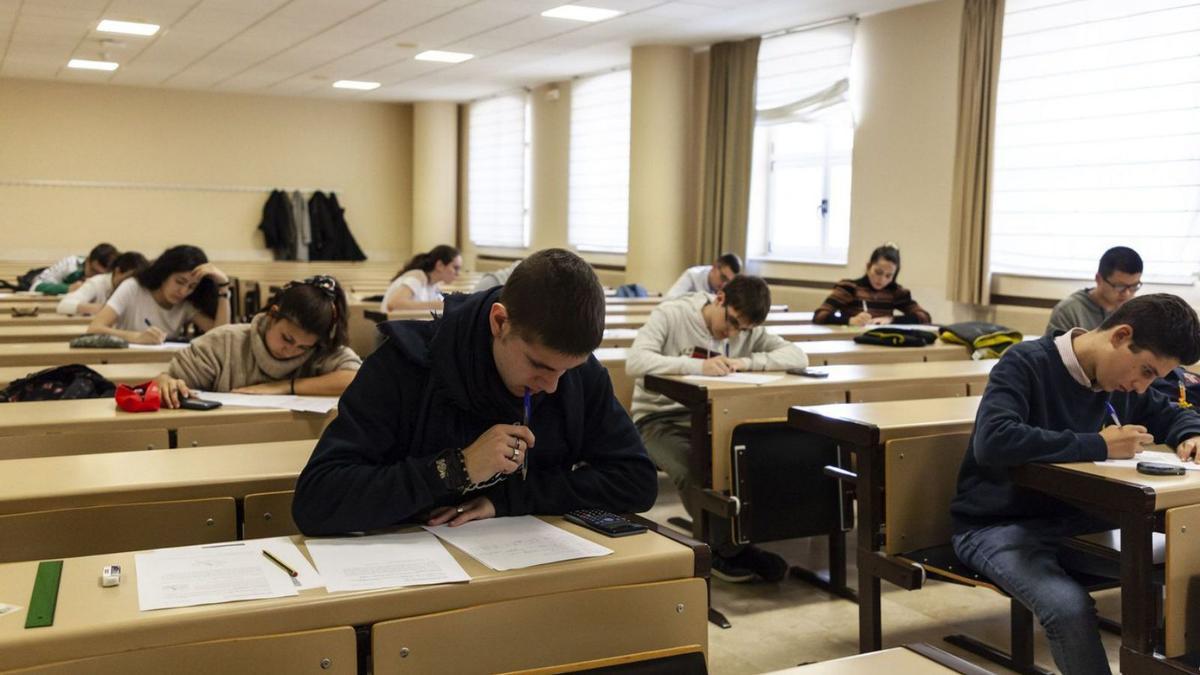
point(604, 522)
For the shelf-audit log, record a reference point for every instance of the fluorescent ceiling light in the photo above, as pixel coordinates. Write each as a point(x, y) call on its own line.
point(127, 27)
point(84, 64)
point(580, 13)
point(356, 84)
point(443, 57)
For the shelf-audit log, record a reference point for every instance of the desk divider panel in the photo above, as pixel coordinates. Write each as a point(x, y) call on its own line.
point(920, 479)
point(93, 530)
point(1181, 608)
point(81, 443)
point(268, 514)
point(328, 651)
point(886, 392)
point(305, 426)
point(542, 630)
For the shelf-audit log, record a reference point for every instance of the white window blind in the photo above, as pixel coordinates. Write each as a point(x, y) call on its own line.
point(496, 195)
point(1097, 137)
point(803, 139)
point(598, 192)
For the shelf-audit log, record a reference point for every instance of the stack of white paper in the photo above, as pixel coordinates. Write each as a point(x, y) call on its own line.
point(166, 346)
point(513, 543)
point(209, 574)
point(383, 561)
point(1152, 456)
point(316, 404)
point(735, 378)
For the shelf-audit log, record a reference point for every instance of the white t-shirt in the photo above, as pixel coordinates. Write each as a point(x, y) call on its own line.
point(137, 310)
point(693, 280)
point(422, 290)
point(94, 291)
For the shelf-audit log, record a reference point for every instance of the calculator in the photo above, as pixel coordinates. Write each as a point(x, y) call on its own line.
point(605, 523)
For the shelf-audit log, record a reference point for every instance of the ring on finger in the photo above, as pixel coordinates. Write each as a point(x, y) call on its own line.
point(459, 510)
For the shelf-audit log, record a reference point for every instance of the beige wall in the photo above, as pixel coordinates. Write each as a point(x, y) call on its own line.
point(435, 174)
point(906, 82)
point(76, 132)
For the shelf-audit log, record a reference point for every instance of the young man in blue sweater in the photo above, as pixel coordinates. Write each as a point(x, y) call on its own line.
point(1047, 401)
point(498, 408)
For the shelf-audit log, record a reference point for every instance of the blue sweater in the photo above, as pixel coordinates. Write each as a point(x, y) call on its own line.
point(1034, 411)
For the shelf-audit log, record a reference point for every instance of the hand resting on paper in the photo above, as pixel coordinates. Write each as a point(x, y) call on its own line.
point(476, 509)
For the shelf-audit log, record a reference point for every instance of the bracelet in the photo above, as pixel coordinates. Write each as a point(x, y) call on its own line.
point(227, 295)
point(451, 469)
point(293, 388)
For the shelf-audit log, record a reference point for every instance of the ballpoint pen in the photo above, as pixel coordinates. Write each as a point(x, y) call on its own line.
point(525, 423)
point(1112, 412)
point(291, 572)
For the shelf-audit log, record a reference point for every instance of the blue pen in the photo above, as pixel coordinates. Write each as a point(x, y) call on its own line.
point(525, 422)
point(1112, 412)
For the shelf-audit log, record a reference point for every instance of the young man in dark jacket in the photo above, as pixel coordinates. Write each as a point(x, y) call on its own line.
point(1047, 401)
point(496, 409)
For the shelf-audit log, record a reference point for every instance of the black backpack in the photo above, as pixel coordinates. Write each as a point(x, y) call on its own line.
point(74, 381)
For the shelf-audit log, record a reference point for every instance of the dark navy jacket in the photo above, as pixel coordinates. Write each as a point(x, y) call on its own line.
point(433, 385)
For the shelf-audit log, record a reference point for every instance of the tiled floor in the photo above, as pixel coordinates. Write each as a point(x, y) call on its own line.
point(778, 626)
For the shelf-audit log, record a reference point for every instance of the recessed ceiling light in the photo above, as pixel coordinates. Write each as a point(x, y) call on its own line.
point(580, 13)
point(84, 64)
point(356, 84)
point(127, 27)
point(443, 57)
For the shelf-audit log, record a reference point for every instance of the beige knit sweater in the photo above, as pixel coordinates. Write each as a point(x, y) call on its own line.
point(235, 355)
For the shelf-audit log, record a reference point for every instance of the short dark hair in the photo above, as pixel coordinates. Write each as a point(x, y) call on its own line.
point(442, 253)
point(889, 252)
point(103, 254)
point(1162, 323)
point(182, 258)
point(318, 306)
point(129, 261)
point(553, 298)
point(731, 260)
point(1120, 259)
point(750, 296)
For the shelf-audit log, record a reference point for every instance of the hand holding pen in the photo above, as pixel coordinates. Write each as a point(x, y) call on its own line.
point(525, 423)
point(153, 335)
point(1124, 441)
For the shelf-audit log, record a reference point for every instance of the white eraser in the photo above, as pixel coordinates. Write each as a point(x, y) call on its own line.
point(110, 576)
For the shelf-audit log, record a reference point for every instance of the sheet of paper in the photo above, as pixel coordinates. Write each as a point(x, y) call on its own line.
point(289, 553)
point(384, 561)
point(735, 378)
point(1160, 457)
point(166, 346)
point(206, 575)
point(514, 543)
point(316, 404)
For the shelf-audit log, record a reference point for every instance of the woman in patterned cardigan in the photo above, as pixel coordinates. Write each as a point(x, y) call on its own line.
point(874, 298)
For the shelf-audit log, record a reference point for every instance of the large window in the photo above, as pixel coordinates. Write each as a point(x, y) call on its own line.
point(498, 156)
point(803, 138)
point(1097, 137)
point(598, 201)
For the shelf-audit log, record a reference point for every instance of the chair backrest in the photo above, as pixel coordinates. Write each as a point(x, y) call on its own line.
point(92, 530)
point(920, 480)
point(268, 514)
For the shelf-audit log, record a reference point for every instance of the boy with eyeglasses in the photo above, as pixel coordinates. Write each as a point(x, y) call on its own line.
point(703, 334)
point(1117, 280)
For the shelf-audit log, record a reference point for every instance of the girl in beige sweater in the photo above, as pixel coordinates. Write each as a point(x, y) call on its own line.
point(295, 346)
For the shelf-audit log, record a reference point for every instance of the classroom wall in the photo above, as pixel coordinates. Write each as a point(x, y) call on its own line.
point(81, 132)
point(906, 84)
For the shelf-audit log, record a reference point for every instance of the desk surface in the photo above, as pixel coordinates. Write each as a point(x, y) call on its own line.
point(876, 423)
point(1159, 492)
point(102, 414)
point(45, 483)
point(91, 620)
point(59, 353)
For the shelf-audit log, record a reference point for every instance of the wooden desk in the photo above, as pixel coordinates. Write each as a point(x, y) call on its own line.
point(121, 373)
point(60, 353)
point(62, 333)
point(1140, 505)
point(912, 659)
point(623, 337)
point(44, 319)
point(648, 595)
point(864, 429)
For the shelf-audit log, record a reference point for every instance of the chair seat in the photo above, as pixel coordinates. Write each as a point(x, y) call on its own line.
point(941, 562)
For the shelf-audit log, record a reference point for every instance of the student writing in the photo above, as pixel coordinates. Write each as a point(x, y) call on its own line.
point(418, 284)
point(874, 298)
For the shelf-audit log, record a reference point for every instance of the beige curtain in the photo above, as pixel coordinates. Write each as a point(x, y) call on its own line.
point(979, 68)
point(729, 142)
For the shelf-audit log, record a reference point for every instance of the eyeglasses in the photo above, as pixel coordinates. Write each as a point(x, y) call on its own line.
point(733, 322)
point(1124, 288)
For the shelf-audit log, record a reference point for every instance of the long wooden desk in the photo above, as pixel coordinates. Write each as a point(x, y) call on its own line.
point(44, 319)
point(119, 373)
point(1140, 505)
point(912, 659)
point(648, 595)
point(62, 333)
point(60, 353)
point(864, 429)
point(623, 337)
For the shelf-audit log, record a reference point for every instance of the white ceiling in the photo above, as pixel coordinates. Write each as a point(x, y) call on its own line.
point(299, 47)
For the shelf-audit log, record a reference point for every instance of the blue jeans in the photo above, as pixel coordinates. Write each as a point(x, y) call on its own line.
point(1025, 559)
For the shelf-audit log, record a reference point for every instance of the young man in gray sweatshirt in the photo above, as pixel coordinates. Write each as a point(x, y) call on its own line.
point(702, 334)
point(1118, 279)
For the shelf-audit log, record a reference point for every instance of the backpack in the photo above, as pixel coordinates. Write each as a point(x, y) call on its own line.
point(59, 383)
point(984, 340)
point(632, 291)
point(894, 336)
point(25, 281)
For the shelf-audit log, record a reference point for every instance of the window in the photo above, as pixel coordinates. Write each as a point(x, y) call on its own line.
point(803, 139)
point(498, 155)
point(1097, 137)
point(598, 184)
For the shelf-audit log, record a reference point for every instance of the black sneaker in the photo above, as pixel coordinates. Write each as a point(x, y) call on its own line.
point(724, 569)
point(769, 566)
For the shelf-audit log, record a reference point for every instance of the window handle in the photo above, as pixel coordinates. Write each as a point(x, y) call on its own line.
point(824, 208)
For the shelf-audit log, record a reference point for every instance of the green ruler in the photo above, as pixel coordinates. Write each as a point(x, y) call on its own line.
point(45, 594)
